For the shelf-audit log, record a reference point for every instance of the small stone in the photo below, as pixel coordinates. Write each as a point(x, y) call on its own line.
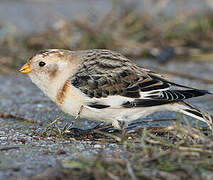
point(16, 169)
point(46, 152)
point(36, 138)
point(2, 133)
point(22, 140)
point(97, 146)
point(59, 152)
point(3, 138)
point(40, 105)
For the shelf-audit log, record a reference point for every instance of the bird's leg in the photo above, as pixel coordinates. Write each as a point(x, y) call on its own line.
point(122, 125)
point(76, 132)
point(69, 130)
point(67, 127)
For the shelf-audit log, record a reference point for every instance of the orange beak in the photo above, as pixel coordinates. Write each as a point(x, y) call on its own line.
point(25, 69)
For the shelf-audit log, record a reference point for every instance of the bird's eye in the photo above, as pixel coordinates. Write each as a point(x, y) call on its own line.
point(41, 64)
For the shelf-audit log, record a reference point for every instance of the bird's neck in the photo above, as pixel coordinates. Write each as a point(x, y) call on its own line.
point(56, 84)
point(51, 86)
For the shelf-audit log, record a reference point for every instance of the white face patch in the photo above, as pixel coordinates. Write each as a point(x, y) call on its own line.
point(62, 65)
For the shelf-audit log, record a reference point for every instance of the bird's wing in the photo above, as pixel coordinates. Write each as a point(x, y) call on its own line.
point(111, 74)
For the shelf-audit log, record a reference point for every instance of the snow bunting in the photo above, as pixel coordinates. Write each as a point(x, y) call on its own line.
point(104, 85)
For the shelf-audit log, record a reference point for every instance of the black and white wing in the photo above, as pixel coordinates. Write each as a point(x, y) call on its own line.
point(104, 74)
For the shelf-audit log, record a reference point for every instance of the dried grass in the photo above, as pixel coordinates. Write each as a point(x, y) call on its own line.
point(175, 152)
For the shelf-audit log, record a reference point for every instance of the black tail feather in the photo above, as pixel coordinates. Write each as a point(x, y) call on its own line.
point(192, 93)
point(198, 114)
point(179, 85)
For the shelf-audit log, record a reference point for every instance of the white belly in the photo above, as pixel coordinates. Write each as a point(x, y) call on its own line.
point(111, 115)
point(75, 99)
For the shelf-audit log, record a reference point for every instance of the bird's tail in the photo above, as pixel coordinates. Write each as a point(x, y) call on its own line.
point(192, 111)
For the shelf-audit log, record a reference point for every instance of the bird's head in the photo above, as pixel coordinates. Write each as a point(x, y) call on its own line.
point(47, 62)
point(50, 66)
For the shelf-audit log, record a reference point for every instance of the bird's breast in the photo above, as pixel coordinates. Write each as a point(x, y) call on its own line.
point(69, 99)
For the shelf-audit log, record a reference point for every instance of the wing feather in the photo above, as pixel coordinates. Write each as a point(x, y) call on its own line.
point(104, 74)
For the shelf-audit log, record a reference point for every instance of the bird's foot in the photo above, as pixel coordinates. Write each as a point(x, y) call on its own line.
point(53, 123)
point(94, 132)
point(78, 133)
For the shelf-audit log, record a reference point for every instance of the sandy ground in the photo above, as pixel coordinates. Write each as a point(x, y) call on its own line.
point(23, 152)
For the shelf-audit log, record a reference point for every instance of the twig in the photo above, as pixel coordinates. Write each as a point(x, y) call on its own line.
point(8, 115)
point(9, 147)
point(49, 125)
point(195, 149)
point(112, 176)
point(158, 129)
point(156, 120)
point(109, 135)
point(159, 140)
point(164, 153)
point(201, 57)
point(130, 170)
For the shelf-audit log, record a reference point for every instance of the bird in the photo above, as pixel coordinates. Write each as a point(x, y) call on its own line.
point(103, 85)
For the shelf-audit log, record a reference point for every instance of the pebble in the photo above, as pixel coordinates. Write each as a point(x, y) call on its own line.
point(97, 146)
point(3, 138)
point(2, 133)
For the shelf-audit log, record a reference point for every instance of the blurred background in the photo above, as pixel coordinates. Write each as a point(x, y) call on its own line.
point(161, 30)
